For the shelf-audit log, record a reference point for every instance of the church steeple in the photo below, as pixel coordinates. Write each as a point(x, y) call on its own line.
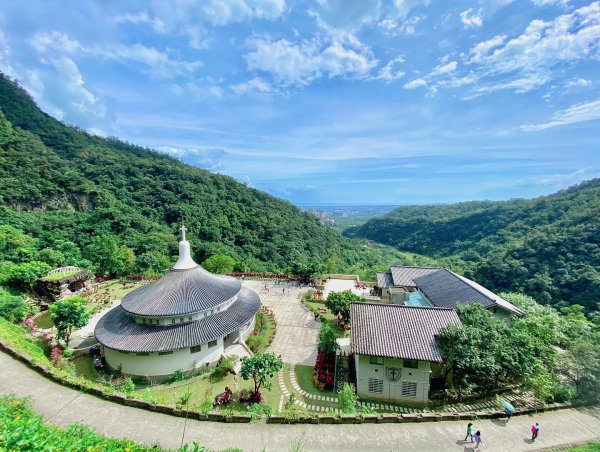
point(185, 261)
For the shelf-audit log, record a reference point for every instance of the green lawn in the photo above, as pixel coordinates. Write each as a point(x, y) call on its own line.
point(57, 276)
point(202, 388)
point(17, 337)
point(589, 447)
point(118, 289)
point(304, 377)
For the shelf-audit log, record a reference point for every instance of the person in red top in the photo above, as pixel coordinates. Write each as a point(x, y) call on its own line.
point(535, 430)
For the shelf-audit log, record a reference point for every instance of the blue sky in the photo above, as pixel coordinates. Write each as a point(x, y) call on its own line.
point(350, 102)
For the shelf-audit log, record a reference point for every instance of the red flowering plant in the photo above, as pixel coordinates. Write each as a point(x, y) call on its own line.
point(30, 324)
point(55, 354)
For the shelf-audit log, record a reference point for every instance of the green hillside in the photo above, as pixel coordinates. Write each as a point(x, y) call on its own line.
point(547, 247)
point(68, 190)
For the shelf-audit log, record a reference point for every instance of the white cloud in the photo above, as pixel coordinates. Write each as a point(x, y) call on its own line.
point(530, 60)
point(577, 83)
point(443, 69)
point(471, 18)
point(96, 131)
point(79, 97)
point(387, 73)
point(5, 65)
point(157, 63)
point(191, 18)
point(405, 27)
point(45, 42)
point(141, 18)
point(438, 76)
point(483, 49)
point(586, 111)
point(413, 84)
point(299, 63)
point(256, 84)
point(207, 158)
point(549, 2)
point(562, 179)
point(221, 13)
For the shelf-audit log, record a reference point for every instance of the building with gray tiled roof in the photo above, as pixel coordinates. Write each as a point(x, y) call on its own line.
point(183, 321)
point(395, 350)
point(439, 287)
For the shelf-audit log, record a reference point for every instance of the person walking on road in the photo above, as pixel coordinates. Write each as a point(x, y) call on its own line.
point(469, 431)
point(477, 438)
point(535, 431)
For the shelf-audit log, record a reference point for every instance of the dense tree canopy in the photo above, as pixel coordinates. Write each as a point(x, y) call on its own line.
point(548, 247)
point(69, 193)
point(219, 263)
point(539, 351)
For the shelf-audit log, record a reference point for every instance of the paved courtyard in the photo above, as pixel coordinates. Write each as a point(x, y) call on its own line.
point(62, 405)
point(297, 330)
point(339, 285)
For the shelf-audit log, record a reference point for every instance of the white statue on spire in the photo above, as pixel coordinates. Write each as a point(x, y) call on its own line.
point(185, 260)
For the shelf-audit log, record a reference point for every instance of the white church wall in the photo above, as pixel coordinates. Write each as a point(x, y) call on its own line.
point(156, 365)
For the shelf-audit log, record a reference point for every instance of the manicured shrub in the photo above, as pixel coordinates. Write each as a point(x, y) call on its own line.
point(256, 343)
point(347, 399)
point(12, 307)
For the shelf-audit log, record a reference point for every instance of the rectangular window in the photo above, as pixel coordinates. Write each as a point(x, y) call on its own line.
point(190, 318)
point(196, 349)
point(409, 389)
point(170, 352)
point(180, 319)
point(143, 354)
point(376, 360)
point(410, 363)
point(172, 321)
point(212, 344)
point(375, 385)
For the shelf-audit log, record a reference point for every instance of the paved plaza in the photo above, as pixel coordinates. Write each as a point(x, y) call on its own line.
point(61, 405)
point(297, 330)
point(339, 285)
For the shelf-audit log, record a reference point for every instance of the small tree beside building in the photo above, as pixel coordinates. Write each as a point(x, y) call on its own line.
point(261, 368)
point(68, 314)
point(339, 304)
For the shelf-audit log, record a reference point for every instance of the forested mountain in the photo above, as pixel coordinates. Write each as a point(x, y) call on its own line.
point(547, 247)
point(59, 184)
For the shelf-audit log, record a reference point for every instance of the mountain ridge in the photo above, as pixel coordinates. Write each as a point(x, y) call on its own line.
point(57, 180)
point(547, 247)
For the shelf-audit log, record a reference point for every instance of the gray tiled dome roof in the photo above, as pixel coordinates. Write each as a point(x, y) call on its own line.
point(118, 331)
point(181, 292)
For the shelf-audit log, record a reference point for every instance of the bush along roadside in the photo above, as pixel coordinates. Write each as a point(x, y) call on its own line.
point(21, 428)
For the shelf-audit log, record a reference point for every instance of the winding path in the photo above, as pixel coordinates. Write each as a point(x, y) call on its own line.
point(62, 406)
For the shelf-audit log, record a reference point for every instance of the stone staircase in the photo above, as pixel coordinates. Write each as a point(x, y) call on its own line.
point(239, 350)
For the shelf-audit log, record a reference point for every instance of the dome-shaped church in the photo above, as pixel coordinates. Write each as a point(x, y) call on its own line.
point(183, 321)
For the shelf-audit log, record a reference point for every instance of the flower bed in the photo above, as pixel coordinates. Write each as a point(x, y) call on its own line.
point(324, 373)
point(264, 331)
